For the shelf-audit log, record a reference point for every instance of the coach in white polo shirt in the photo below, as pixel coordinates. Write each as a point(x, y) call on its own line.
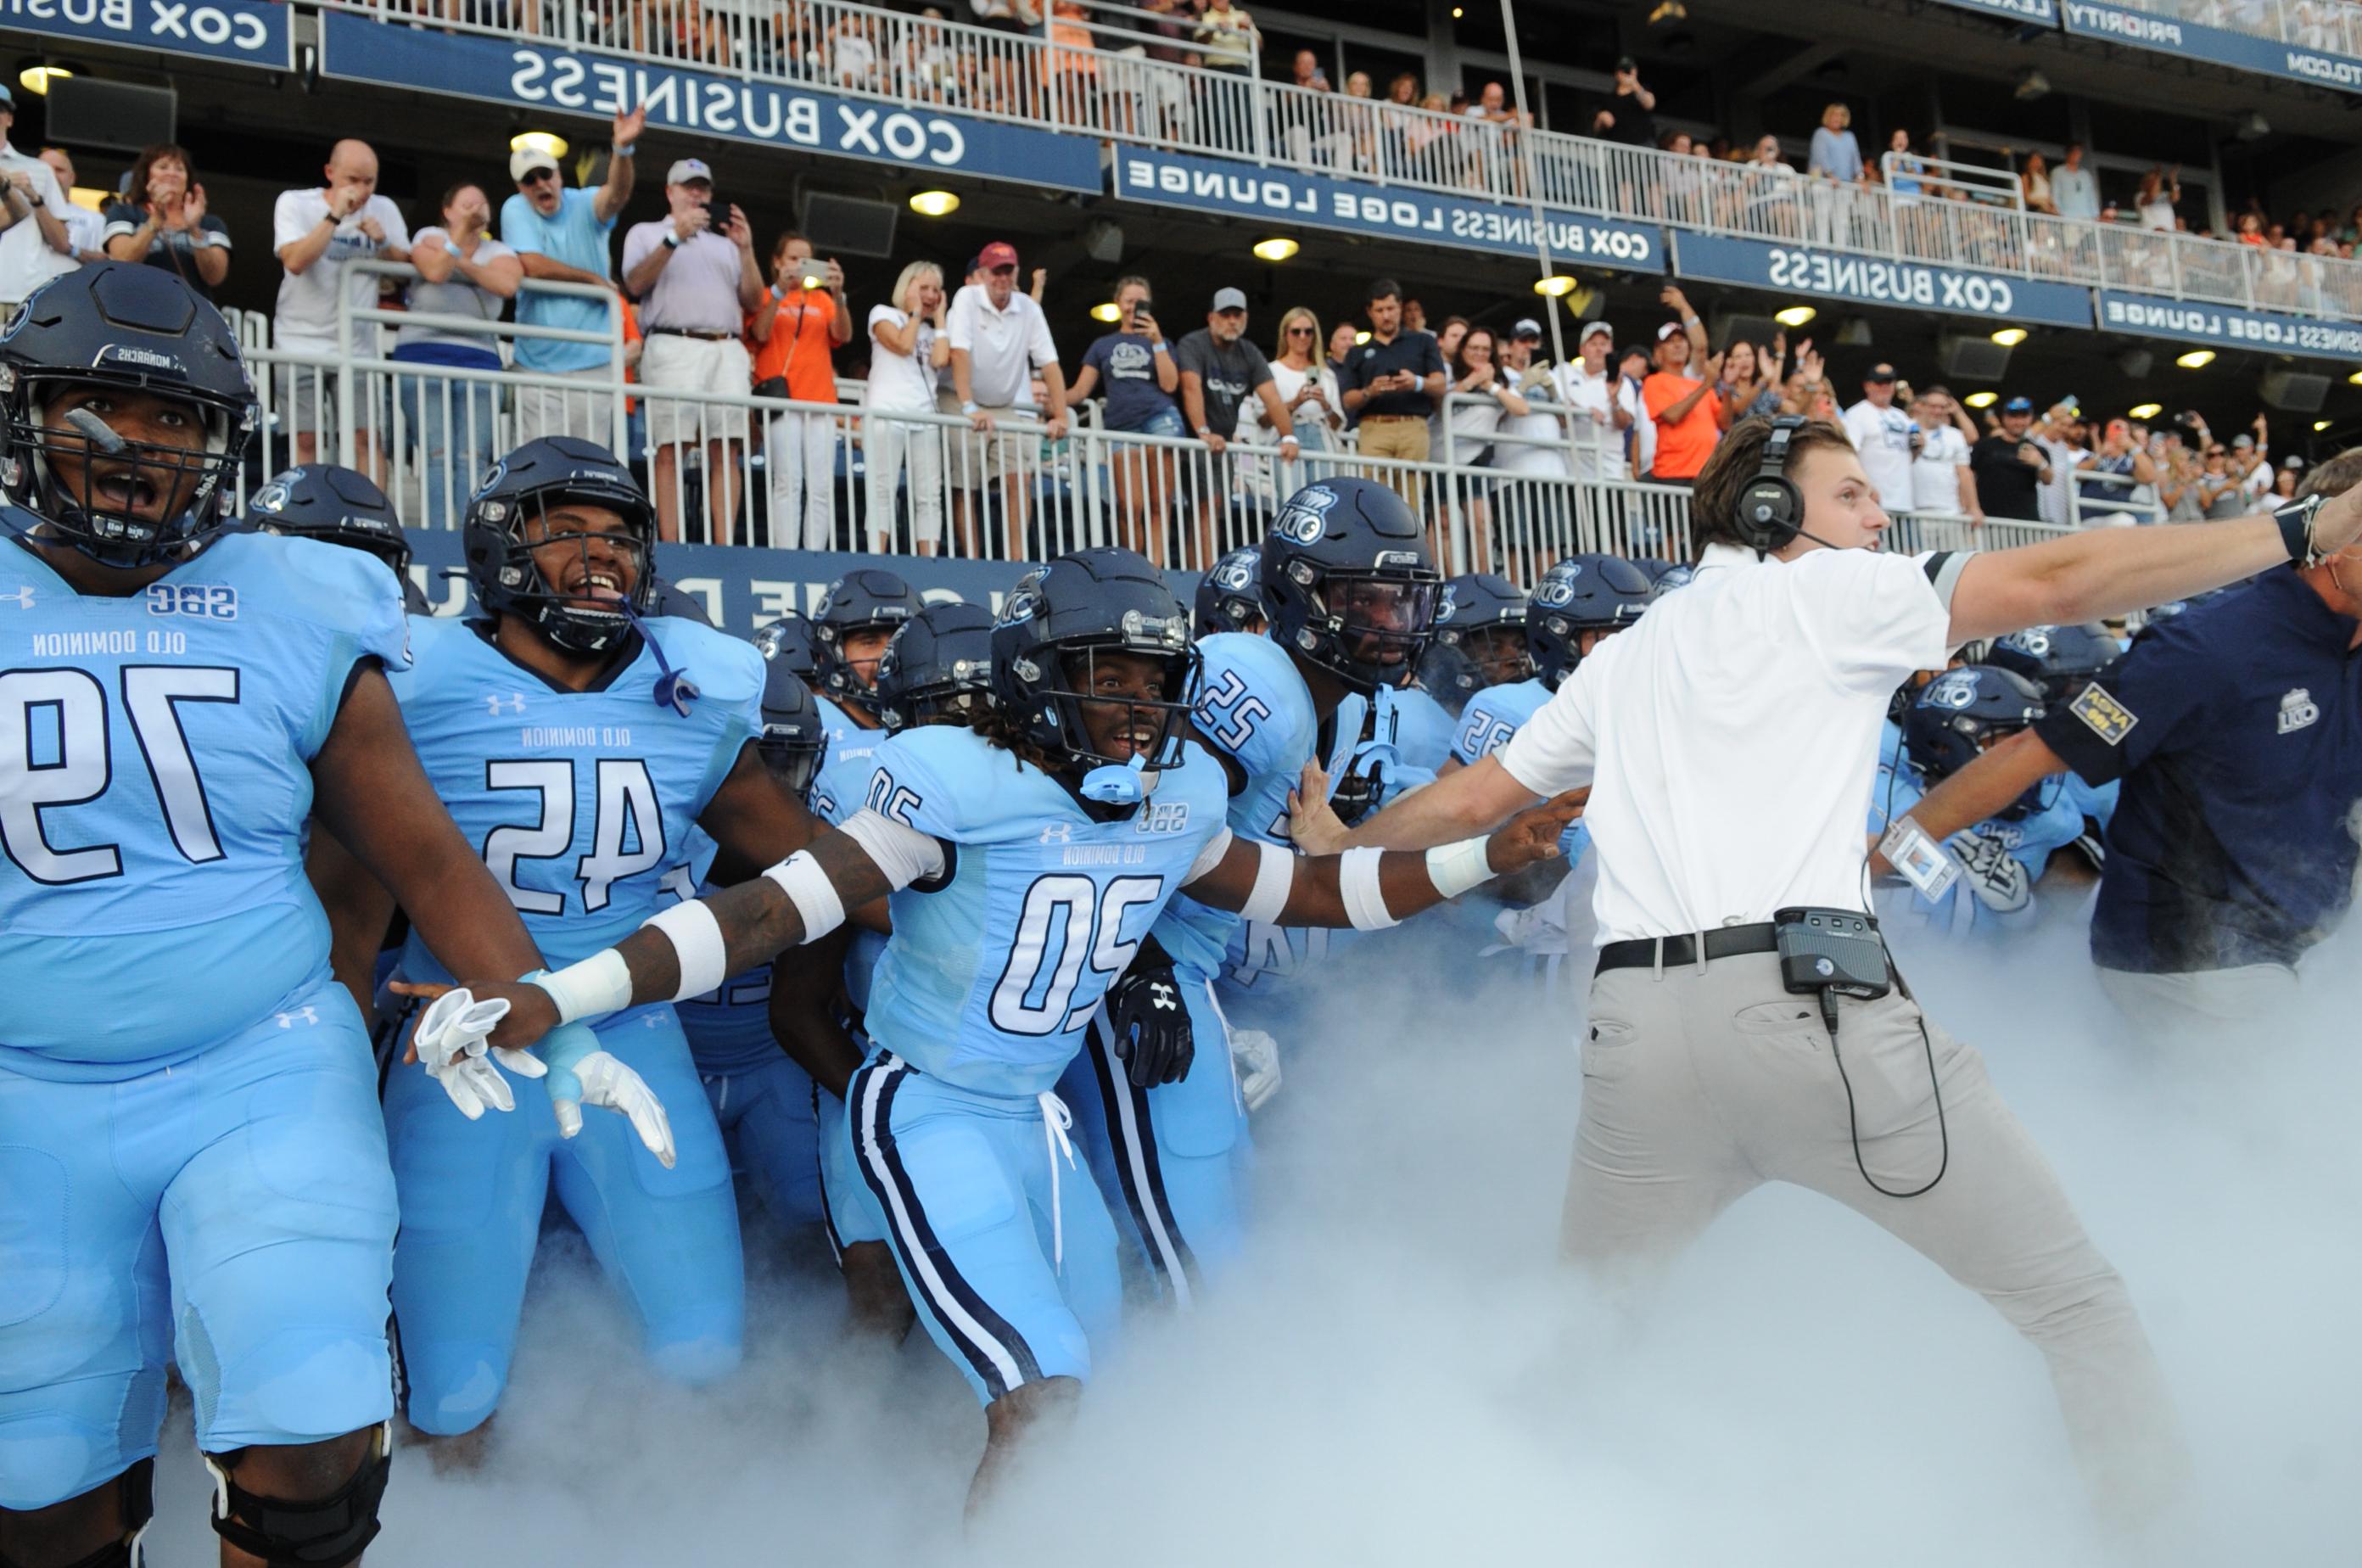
point(695, 287)
point(1727, 739)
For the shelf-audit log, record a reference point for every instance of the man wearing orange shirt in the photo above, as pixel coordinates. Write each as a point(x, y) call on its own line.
point(794, 329)
point(1689, 421)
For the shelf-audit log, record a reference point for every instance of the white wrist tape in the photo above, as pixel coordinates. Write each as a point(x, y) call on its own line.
point(599, 984)
point(1456, 867)
point(1275, 875)
point(698, 945)
point(809, 888)
point(1357, 885)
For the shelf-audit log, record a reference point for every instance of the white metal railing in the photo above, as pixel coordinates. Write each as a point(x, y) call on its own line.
point(1125, 95)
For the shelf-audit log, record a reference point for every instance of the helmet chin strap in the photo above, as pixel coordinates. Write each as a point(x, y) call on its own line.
point(673, 689)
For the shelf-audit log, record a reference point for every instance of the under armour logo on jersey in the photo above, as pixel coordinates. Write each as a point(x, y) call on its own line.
point(1162, 997)
point(495, 704)
point(22, 596)
point(287, 1020)
point(2298, 710)
point(1058, 832)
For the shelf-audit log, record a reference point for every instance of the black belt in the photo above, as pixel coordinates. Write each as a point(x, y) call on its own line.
point(689, 332)
point(1672, 951)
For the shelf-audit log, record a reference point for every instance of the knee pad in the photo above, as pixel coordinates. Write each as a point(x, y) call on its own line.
point(137, 1489)
point(323, 1533)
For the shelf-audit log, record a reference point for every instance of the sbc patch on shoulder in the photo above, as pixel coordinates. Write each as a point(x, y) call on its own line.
point(2107, 718)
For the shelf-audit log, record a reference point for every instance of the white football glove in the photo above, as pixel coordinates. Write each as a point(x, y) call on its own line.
point(1994, 875)
point(450, 1042)
point(581, 1074)
point(1254, 1057)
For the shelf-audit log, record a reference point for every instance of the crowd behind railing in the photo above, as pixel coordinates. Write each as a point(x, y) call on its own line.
point(1189, 75)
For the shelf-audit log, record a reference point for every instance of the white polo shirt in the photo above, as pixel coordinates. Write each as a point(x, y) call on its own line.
point(1881, 437)
point(1004, 347)
point(25, 260)
point(1727, 735)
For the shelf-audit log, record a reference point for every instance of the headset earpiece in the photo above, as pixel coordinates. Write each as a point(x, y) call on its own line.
point(1772, 509)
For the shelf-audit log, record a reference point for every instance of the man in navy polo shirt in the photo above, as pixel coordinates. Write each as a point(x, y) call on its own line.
point(2237, 731)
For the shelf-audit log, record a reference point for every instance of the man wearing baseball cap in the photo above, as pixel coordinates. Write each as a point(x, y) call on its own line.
point(1000, 339)
point(1536, 444)
point(1885, 437)
point(561, 236)
point(697, 280)
point(1220, 371)
point(2010, 467)
point(1589, 388)
point(1688, 420)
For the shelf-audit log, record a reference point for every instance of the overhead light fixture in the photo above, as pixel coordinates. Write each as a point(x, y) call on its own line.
point(1982, 399)
point(2319, 426)
point(2032, 84)
point(2010, 337)
point(550, 142)
point(1556, 285)
point(1360, 339)
point(1455, 13)
point(1794, 315)
point(36, 79)
point(1109, 311)
point(2196, 359)
point(2146, 410)
point(934, 203)
point(1278, 247)
point(2356, 378)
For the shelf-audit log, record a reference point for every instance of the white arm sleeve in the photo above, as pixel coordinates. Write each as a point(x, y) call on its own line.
point(903, 853)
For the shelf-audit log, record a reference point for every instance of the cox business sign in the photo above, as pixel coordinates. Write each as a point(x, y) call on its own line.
point(2216, 46)
point(236, 30)
point(1878, 280)
point(2227, 327)
point(735, 108)
point(1317, 201)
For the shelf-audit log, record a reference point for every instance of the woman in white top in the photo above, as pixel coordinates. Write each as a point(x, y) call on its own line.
point(2159, 189)
point(1475, 374)
point(908, 346)
point(1307, 390)
point(463, 271)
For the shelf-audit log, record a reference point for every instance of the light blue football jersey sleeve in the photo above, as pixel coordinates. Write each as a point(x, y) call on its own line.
point(581, 803)
point(155, 781)
point(988, 980)
point(1422, 727)
point(1255, 709)
point(1492, 715)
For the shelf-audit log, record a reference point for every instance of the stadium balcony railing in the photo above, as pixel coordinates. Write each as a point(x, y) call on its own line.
point(1174, 498)
point(1124, 94)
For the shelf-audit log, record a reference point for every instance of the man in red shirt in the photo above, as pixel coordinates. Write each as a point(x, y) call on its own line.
point(1689, 419)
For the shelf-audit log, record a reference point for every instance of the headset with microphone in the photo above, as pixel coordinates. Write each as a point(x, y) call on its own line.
point(1772, 509)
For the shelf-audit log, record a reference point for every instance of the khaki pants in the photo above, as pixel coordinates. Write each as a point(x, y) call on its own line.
point(1402, 438)
point(1700, 1085)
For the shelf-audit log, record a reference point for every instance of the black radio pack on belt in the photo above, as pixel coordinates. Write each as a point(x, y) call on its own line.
point(1831, 950)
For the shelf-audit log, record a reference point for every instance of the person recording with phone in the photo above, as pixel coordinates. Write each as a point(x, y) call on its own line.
point(800, 320)
point(1746, 1024)
point(1142, 382)
point(694, 274)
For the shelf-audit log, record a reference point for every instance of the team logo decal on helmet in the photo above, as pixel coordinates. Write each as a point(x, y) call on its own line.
point(1594, 593)
point(1953, 688)
point(1306, 515)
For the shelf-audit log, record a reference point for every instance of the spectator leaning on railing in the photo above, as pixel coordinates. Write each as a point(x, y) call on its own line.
point(1393, 381)
point(2074, 189)
point(85, 230)
point(316, 233)
point(999, 338)
point(163, 220)
point(1221, 371)
point(908, 347)
point(800, 320)
point(560, 235)
point(1226, 36)
point(36, 247)
point(695, 288)
point(463, 271)
point(1628, 115)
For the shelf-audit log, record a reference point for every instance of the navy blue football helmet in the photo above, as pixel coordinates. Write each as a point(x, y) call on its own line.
point(1229, 597)
point(512, 513)
point(788, 641)
point(939, 665)
point(794, 742)
point(1482, 614)
point(337, 506)
point(123, 327)
point(1057, 619)
point(2061, 660)
point(1963, 710)
point(670, 599)
point(864, 599)
point(1582, 593)
point(1450, 676)
point(1348, 582)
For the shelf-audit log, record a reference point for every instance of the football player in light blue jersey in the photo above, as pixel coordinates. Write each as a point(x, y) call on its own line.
point(858, 616)
point(2062, 660)
point(1229, 597)
point(339, 506)
point(1026, 859)
point(577, 744)
point(1955, 718)
point(1578, 602)
point(185, 1092)
point(1348, 594)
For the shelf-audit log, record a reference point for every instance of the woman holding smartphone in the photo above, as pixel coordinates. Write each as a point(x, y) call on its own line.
point(909, 345)
point(1137, 366)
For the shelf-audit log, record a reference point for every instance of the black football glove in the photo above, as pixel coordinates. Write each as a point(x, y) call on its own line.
point(1151, 1033)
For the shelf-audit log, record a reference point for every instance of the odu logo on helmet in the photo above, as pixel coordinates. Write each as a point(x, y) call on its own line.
point(1306, 516)
point(1445, 605)
point(1955, 689)
point(1023, 600)
point(1238, 576)
point(2034, 642)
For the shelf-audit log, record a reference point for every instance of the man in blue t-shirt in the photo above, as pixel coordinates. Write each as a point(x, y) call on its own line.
point(561, 236)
